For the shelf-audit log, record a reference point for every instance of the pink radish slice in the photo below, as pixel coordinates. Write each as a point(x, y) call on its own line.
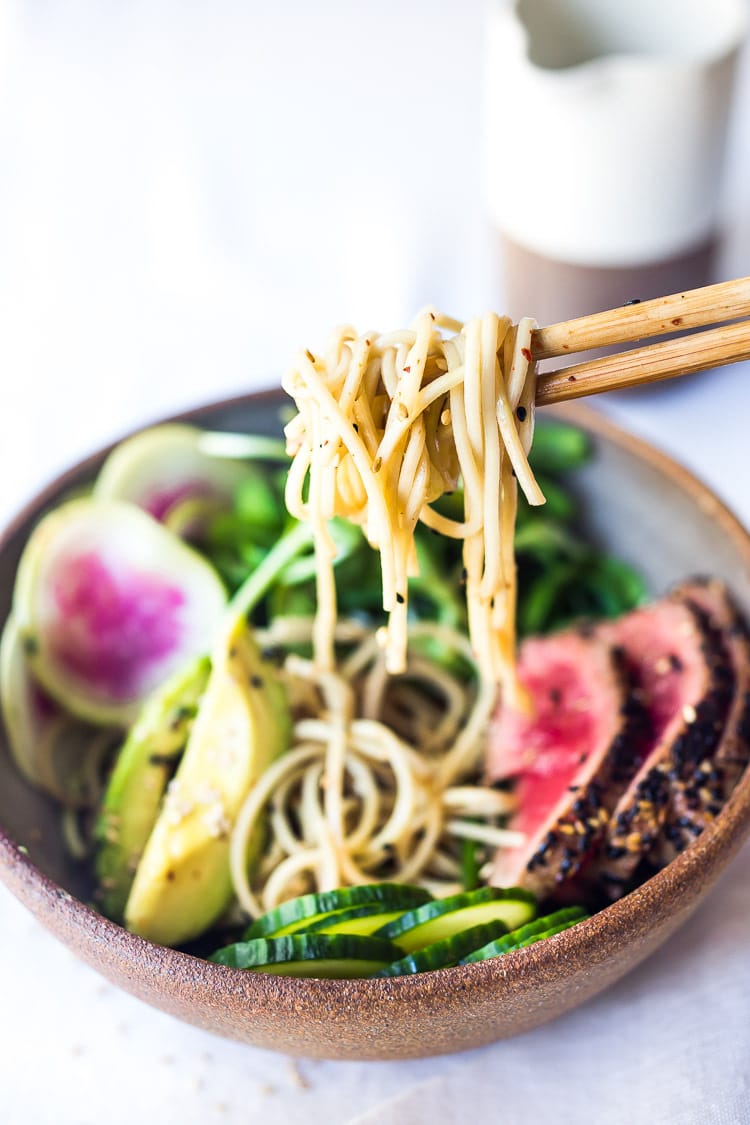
point(113, 624)
point(164, 466)
point(110, 603)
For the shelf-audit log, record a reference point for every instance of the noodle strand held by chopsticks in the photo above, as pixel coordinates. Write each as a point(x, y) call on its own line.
point(381, 773)
point(388, 424)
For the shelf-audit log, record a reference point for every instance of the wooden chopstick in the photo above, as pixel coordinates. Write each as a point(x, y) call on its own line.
point(665, 359)
point(729, 300)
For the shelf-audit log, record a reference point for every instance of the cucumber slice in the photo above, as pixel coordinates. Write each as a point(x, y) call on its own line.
point(310, 955)
point(161, 467)
point(549, 933)
point(535, 931)
point(109, 605)
point(443, 918)
point(362, 920)
point(298, 913)
point(443, 954)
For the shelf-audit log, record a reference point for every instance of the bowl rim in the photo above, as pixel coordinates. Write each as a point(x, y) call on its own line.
point(62, 912)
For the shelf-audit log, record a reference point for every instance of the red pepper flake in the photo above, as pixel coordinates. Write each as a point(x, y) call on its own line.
point(677, 321)
point(407, 370)
point(572, 379)
point(526, 353)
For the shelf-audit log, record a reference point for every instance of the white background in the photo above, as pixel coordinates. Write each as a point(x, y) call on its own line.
point(189, 192)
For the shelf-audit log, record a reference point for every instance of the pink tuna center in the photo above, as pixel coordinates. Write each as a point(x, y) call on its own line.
point(115, 626)
point(557, 740)
point(562, 727)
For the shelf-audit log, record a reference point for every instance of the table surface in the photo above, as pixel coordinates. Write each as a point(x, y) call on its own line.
point(185, 198)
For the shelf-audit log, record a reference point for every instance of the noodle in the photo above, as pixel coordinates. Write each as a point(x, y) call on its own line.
point(387, 744)
point(386, 426)
point(354, 796)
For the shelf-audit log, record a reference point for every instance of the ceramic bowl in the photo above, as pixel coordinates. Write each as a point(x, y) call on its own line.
point(648, 510)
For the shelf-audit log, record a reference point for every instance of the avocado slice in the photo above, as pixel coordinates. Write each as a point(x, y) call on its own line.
point(145, 763)
point(183, 883)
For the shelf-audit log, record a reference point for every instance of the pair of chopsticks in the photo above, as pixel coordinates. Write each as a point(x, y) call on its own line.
point(685, 353)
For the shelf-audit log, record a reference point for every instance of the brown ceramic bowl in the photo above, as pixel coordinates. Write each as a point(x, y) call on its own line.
point(651, 512)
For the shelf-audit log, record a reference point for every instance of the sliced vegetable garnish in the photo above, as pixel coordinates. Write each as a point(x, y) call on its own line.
point(310, 955)
point(183, 884)
point(109, 604)
point(537, 930)
point(54, 750)
point(147, 760)
point(445, 953)
point(363, 920)
point(301, 912)
point(443, 918)
point(162, 467)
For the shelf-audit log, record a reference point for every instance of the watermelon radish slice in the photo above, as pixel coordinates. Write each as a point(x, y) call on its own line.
point(162, 468)
point(109, 603)
point(55, 751)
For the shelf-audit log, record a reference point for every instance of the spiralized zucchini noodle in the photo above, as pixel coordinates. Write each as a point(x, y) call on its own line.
point(381, 777)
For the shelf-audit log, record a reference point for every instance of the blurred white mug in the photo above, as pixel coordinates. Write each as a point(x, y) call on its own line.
point(605, 134)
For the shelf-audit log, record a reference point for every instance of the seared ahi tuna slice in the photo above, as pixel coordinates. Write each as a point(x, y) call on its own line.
point(564, 754)
point(698, 798)
point(683, 678)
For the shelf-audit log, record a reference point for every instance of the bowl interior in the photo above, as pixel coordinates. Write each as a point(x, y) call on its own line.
point(647, 510)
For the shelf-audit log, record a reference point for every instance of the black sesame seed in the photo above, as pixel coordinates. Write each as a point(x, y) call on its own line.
point(163, 759)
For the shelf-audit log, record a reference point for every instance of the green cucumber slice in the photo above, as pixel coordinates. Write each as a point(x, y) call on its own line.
point(299, 913)
point(549, 933)
point(310, 955)
point(538, 930)
point(442, 918)
point(443, 954)
point(363, 920)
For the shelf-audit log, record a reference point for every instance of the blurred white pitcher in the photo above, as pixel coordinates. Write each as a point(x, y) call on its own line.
point(606, 128)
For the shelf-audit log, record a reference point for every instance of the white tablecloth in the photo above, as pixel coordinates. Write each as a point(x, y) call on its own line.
point(187, 194)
